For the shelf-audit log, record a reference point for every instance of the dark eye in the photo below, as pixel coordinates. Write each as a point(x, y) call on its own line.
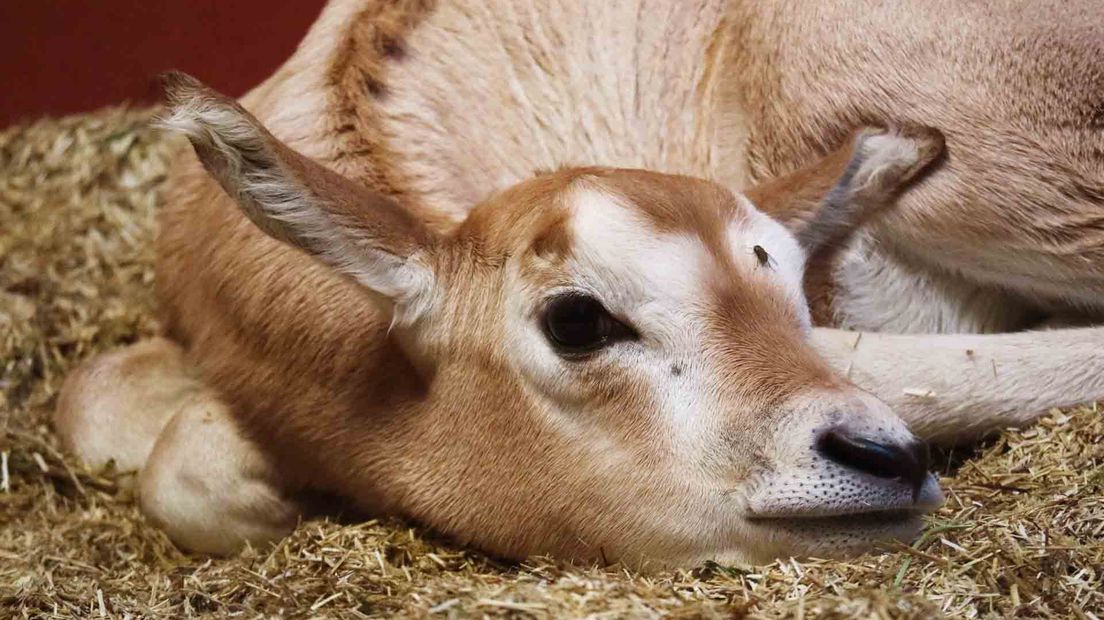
point(577, 324)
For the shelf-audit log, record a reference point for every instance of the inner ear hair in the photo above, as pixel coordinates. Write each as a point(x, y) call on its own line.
point(286, 194)
point(357, 231)
point(825, 201)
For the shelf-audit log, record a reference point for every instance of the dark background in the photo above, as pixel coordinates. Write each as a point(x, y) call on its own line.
point(64, 56)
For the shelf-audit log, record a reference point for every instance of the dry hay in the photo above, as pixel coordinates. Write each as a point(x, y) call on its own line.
point(1021, 534)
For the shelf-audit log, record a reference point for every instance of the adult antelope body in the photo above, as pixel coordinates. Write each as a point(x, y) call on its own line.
point(383, 300)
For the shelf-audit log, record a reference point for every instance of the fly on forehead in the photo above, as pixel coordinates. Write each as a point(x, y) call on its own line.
point(763, 257)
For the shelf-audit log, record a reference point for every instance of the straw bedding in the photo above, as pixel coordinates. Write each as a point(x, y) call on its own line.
point(1022, 532)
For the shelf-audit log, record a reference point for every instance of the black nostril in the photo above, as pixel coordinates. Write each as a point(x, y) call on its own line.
point(906, 462)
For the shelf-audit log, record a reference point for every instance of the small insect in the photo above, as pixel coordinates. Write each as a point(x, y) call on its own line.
point(764, 259)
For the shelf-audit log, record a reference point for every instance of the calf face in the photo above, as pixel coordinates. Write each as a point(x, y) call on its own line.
point(615, 362)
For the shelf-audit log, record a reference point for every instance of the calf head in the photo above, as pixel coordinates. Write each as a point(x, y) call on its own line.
point(616, 362)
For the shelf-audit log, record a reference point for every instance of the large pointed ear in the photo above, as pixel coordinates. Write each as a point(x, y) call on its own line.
point(825, 201)
point(360, 233)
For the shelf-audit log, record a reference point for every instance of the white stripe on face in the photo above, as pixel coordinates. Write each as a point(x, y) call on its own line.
point(787, 259)
point(630, 266)
point(660, 284)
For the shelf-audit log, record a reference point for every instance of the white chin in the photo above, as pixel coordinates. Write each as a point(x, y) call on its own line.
point(834, 536)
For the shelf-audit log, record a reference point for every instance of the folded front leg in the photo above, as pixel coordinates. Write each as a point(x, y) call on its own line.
point(955, 388)
point(209, 487)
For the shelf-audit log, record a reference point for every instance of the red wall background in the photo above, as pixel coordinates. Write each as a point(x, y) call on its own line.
point(65, 56)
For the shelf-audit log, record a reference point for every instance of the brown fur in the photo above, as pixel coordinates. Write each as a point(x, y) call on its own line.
point(1017, 88)
point(423, 444)
point(302, 357)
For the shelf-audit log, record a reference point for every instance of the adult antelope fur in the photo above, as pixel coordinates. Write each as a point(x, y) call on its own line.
point(383, 300)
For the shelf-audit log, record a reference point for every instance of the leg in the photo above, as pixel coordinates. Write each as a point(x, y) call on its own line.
point(200, 480)
point(113, 407)
point(954, 388)
point(211, 489)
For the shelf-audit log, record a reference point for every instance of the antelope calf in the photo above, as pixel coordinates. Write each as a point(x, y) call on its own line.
point(381, 301)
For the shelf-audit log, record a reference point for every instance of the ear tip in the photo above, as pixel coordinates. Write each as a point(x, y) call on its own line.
point(190, 104)
point(929, 142)
point(928, 139)
point(181, 92)
point(912, 146)
point(925, 135)
point(179, 87)
point(182, 89)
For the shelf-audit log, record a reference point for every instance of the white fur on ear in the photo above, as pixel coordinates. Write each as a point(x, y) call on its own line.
point(234, 148)
point(887, 160)
point(882, 163)
point(408, 283)
point(301, 203)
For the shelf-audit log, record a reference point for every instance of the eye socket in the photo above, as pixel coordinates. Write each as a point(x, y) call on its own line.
point(577, 324)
